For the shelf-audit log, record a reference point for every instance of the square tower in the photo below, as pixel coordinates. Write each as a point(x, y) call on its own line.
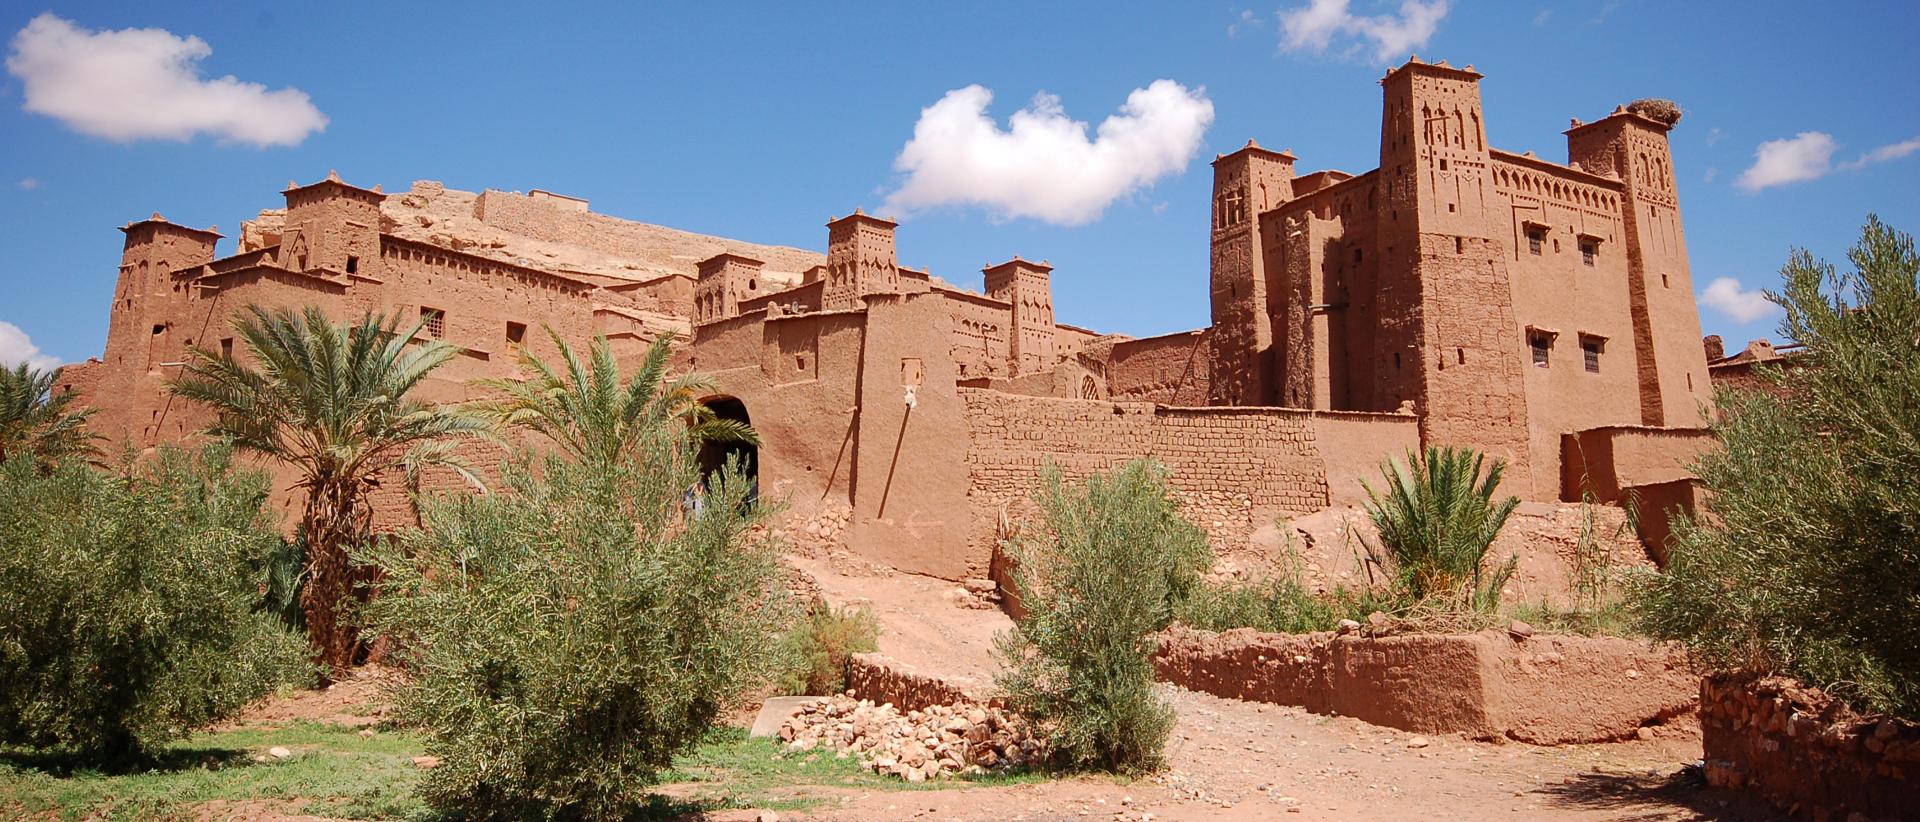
point(332, 226)
point(725, 279)
point(1246, 184)
point(1448, 338)
point(1027, 287)
point(1632, 146)
point(860, 261)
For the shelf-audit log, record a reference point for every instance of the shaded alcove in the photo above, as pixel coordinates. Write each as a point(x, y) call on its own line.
point(716, 455)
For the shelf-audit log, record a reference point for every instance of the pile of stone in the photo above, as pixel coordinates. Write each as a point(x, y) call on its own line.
point(940, 741)
point(975, 594)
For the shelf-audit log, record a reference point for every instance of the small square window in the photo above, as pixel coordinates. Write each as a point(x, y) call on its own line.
point(516, 335)
point(1588, 251)
point(1664, 283)
point(226, 347)
point(1536, 239)
point(353, 264)
point(435, 321)
point(1590, 348)
point(1542, 345)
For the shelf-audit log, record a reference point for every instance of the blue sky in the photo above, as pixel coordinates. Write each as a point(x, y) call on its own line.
point(759, 121)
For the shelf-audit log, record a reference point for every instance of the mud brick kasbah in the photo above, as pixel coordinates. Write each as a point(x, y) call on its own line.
point(1457, 294)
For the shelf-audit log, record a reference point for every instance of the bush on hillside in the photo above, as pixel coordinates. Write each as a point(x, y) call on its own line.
point(570, 636)
point(129, 603)
point(1114, 560)
point(818, 646)
point(1806, 559)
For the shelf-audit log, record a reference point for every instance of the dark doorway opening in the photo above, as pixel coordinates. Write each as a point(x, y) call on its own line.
point(715, 455)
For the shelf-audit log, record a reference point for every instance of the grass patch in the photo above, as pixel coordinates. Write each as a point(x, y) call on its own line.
point(732, 770)
point(333, 769)
point(335, 772)
point(1615, 618)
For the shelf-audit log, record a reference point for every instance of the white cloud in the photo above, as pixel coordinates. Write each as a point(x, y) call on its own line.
point(1313, 27)
point(29, 184)
point(137, 84)
point(1541, 19)
point(1808, 156)
point(16, 347)
point(1245, 22)
point(1726, 296)
point(1715, 135)
point(1043, 165)
point(1713, 173)
point(1883, 154)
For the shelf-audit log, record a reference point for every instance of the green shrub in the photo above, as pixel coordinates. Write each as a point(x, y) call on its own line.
point(1280, 605)
point(1807, 558)
point(818, 646)
point(569, 637)
point(1437, 518)
point(1114, 560)
point(129, 603)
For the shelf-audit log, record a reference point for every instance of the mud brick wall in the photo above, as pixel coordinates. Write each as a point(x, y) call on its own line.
point(1230, 467)
point(1802, 749)
point(1545, 690)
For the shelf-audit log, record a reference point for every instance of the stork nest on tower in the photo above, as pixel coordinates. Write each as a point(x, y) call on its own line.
point(1653, 108)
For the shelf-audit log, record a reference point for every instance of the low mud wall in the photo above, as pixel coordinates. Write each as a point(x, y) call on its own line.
point(1545, 690)
point(1801, 749)
point(881, 680)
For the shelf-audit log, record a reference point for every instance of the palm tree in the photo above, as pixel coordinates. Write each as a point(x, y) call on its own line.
point(34, 420)
point(594, 418)
point(1437, 518)
point(331, 401)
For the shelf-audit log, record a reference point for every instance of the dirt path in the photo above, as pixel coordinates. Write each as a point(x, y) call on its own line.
point(1233, 760)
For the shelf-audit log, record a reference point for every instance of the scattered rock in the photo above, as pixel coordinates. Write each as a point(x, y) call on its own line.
point(426, 763)
point(1519, 630)
point(1419, 742)
point(366, 733)
point(935, 742)
point(767, 816)
point(1347, 626)
point(278, 752)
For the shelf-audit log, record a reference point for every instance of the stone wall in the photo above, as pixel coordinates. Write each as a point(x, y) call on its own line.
point(1802, 749)
point(881, 680)
point(1543, 690)
point(1225, 463)
point(1233, 469)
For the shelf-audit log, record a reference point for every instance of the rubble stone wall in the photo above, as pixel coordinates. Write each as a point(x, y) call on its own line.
point(1231, 468)
point(1801, 748)
point(1544, 690)
point(882, 680)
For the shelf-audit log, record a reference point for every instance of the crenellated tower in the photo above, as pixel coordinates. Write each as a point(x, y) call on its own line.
point(1246, 183)
point(724, 280)
point(332, 227)
point(1449, 341)
point(1632, 146)
point(860, 260)
point(1027, 287)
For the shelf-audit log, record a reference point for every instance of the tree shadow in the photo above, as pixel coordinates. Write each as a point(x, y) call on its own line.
point(1643, 796)
point(65, 763)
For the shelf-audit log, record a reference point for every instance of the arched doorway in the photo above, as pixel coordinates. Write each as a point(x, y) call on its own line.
point(715, 455)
